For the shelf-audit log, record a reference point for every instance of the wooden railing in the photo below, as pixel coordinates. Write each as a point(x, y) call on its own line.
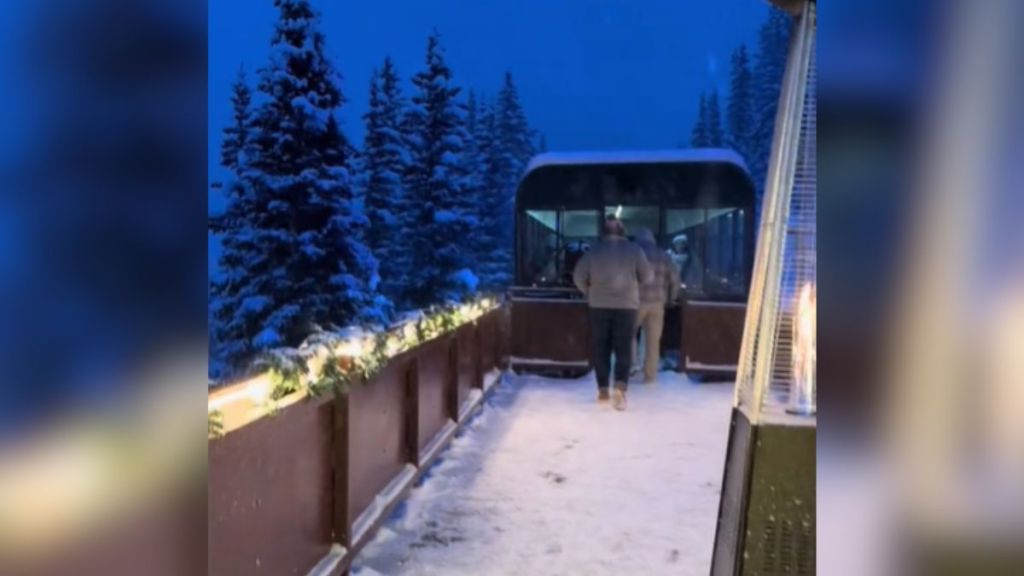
point(308, 486)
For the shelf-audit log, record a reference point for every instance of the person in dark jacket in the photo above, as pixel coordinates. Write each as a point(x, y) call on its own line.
point(610, 275)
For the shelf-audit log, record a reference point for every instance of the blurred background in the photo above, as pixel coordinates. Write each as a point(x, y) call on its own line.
point(920, 445)
point(102, 286)
point(107, 111)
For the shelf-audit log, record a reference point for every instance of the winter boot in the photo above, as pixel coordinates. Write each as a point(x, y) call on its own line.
point(619, 398)
point(603, 396)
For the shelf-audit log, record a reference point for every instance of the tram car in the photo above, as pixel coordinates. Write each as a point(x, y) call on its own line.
point(699, 203)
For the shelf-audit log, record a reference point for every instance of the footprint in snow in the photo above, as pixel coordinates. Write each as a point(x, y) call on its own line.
point(554, 477)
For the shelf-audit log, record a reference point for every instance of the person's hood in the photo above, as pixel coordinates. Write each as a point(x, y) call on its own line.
point(645, 237)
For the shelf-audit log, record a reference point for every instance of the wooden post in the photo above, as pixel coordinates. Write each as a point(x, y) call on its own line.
point(412, 412)
point(451, 385)
point(501, 335)
point(342, 525)
point(681, 367)
point(478, 373)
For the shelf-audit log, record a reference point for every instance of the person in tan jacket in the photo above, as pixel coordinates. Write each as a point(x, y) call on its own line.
point(663, 288)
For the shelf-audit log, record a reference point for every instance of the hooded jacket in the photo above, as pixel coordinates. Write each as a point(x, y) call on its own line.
point(664, 284)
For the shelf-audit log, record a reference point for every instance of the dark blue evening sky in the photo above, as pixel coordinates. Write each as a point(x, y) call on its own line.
point(592, 74)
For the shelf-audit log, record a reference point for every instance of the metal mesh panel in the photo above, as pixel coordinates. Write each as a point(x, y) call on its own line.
point(786, 259)
point(799, 255)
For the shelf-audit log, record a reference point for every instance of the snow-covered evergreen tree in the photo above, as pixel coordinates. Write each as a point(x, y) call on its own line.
point(488, 149)
point(437, 184)
point(511, 152)
point(237, 135)
point(479, 166)
point(699, 138)
point(739, 112)
point(714, 122)
point(472, 116)
point(514, 133)
point(294, 257)
point(385, 159)
point(238, 249)
point(488, 189)
point(346, 254)
point(493, 176)
point(773, 46)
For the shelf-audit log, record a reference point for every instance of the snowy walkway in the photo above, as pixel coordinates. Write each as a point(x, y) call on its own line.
point(545, 482)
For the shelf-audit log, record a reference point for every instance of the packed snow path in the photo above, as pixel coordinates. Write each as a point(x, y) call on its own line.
point(544, 481)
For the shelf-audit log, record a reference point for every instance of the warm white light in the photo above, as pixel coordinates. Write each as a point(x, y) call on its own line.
point(351, 348)
point(394, 344)
point(258, 391)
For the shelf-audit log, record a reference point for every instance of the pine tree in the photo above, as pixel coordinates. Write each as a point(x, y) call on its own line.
point(472, 114)
point(479, 166)
point(437, 185)
point(293, 253)
point(739, 112)
point(488, 150)
point(236, 136)
point(513, 148)
point(513, 129)
point(237, 249)
point(353, 270)
point(488, 187)
point(699, 138)
point(385, 158)
point(714, 122)
point(773, 46)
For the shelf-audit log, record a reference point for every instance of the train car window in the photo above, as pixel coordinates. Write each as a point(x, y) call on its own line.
point(540, 243)
point(579, 232)
point(711, 248)
point(726, 271)
point(553, 241)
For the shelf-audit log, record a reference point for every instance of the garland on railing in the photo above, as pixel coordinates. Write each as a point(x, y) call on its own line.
point(331, 361)
point(215, 424)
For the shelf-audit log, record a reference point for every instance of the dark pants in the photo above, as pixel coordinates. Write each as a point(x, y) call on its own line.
point(611, 330)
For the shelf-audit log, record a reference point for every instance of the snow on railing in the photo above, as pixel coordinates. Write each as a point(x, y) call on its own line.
point(331, 361)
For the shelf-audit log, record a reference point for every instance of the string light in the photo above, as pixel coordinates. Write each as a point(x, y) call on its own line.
point(363, 347)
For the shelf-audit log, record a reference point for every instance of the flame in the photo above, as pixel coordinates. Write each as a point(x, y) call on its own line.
point(805, 348)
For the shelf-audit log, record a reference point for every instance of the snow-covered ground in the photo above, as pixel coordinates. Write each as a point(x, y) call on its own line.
point(544, 481)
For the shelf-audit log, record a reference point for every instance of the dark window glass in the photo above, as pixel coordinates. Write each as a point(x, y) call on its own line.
point(579, 232)
point(540, 244)
point(553, 241)
point(725, 273)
